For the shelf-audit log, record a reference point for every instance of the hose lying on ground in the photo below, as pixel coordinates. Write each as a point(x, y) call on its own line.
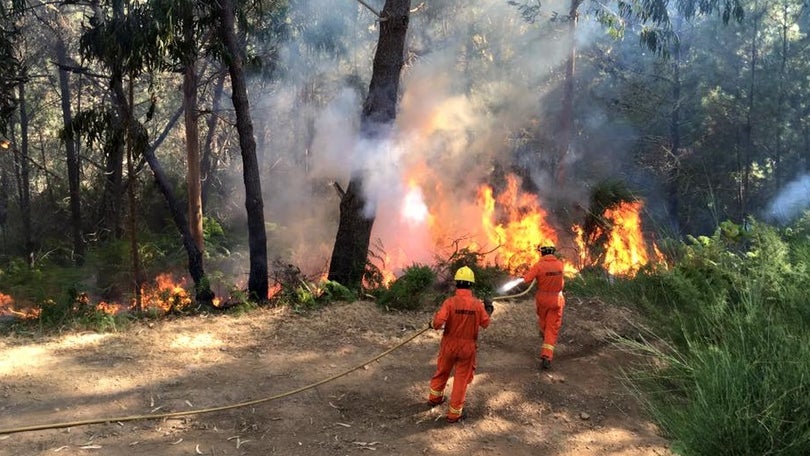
point(41, 427)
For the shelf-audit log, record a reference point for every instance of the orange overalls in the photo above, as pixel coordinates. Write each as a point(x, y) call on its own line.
point(549, 301)
point(461, 316)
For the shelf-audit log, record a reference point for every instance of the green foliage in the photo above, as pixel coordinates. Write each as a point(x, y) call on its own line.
point(411, 290)
point(76, 312)
point(239, 302)
point(487, 277)
point(729, 375)
point(215, 238)
point(294, 288)
point(740, 388)
point(332, 291)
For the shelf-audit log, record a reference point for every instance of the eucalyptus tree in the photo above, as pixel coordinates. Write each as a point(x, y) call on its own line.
point(26, 48)
point(10, 69)
point(69, 139)
point(350, 252)
point(653, 18)
point(233, 55)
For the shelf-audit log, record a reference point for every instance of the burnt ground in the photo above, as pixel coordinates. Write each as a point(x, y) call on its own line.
point(579, 407)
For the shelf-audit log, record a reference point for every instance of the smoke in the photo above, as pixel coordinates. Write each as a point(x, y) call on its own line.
point(477, 74)
point(791, 201)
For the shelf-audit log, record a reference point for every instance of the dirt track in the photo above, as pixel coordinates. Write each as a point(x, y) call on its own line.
point(577, 408)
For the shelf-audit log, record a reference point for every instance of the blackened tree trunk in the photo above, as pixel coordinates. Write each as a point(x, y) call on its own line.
point(114, 163)
point(24, 176)
point(195, 256)
point(137, 272)
point(350, 253)
point(257, 237)
point(73, 165)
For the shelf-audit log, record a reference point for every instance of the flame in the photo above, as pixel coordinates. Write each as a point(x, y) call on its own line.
point(7, 307)
point(504, 226)
point(166, 295)
point(515, 222)
point(5, 300)
point(414, 209)
point(625, 251)
point(273, 290)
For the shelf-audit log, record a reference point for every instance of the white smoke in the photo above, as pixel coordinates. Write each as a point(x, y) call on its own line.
point(476, 73)
point(791, 200)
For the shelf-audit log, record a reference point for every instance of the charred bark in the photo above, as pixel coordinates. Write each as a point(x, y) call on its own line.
point(73, 165)
point(350, 253)
point(114, 161)
point(204, 295)
point(24, 176)
point(257, 237)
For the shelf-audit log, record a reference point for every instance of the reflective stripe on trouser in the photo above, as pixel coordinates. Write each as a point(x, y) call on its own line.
point(435, 397)
point(547, 351)
point(549, 320)
point(460, 359)
point(454, 413)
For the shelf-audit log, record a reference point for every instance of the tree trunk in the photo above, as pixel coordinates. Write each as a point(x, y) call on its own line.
point(195, 257)
point(73, 165)
point(133, 226)
point(114, 164)
point(24, 178)
point(673, 200)
point(350, 252)
point(567, 115)
point(207, 165)
point(748, 147)
point(193, 180)
point(257, 237)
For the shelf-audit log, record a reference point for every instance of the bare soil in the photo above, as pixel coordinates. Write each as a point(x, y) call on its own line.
point(579, 407)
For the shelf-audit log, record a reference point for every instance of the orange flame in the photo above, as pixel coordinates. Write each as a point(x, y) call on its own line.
point(516, 223)
point(166, 294)
point(626, 250)
point(7, 307)
point(506, 226)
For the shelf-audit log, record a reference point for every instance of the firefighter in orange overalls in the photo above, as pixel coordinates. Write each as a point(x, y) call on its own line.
point(548, 300)
point(461, 316)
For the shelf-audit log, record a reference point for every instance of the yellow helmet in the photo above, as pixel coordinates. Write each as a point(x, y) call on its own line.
point(546, 249)
point(466, 274)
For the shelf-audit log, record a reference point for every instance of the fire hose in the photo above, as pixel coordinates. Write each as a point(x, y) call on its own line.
point(513, 296)
point(123, 419)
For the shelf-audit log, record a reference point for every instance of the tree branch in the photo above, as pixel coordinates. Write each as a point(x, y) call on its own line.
point(339, 189)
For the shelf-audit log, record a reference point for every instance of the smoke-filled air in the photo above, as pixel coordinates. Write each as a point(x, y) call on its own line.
point(478, 80)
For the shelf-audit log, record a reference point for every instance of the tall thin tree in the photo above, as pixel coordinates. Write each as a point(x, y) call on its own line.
point(254, 204)
point(350, 253)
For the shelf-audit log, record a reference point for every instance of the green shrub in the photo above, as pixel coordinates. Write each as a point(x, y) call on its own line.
point(76, 312)
point(733, 317)
point(410, 291)
point(332, 291)
point(742, 391)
